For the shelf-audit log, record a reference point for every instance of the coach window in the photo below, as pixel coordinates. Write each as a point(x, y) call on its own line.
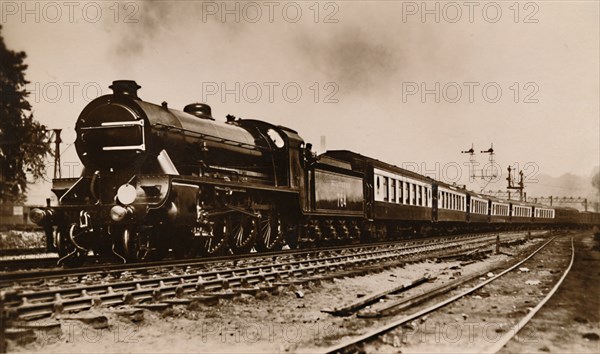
point(400, 192)
point(407, 193)
point(393, 189)
point(386, 191)
point(420, 195)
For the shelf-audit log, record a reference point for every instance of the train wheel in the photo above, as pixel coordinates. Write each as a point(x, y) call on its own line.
point(243, 233)
point(291, 237)
point(342, 231)
point(69, 255)
point(355, 232)
point(216, 242)
point(139, 245)
point(270, 232)
point(329, 231)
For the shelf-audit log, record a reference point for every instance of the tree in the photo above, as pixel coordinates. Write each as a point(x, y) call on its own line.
point(23, 143)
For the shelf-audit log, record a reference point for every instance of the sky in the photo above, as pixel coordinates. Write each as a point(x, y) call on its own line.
point(409, 83)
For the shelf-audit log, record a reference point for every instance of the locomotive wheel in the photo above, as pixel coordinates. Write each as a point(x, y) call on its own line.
point(216, 242)
point(243, 233)
point(66, 247)
point(270, 232)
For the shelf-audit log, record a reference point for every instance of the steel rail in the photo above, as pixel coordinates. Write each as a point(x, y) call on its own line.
point(8, 278)
point(43, 303)
point(346, 345)
point(497, 346)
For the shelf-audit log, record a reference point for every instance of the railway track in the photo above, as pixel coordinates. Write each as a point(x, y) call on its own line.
point(35, 269)
point(430, 304)
point(72, 291)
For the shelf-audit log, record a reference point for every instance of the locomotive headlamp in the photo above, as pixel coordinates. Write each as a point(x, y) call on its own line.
point(126, 194)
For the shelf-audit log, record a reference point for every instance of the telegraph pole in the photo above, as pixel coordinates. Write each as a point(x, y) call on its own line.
point(57, 141)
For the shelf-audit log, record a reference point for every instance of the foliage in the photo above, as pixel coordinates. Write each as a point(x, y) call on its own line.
point(23, 143)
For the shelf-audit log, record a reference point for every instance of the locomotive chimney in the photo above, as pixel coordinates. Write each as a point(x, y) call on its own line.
point(200, 110)
point(125, 88)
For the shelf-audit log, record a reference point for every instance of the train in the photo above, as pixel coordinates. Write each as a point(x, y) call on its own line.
point(157, 180)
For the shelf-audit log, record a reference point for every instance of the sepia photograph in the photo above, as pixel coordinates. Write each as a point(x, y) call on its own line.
point(303, 176)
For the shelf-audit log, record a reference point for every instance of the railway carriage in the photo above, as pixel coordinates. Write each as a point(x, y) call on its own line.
point(499, 210)
point(521, 214)
point(543, 215)
point(565, 217)
point(477, 209)
point(450, 207)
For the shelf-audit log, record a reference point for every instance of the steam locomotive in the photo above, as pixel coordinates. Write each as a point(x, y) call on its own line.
point(157, 179)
